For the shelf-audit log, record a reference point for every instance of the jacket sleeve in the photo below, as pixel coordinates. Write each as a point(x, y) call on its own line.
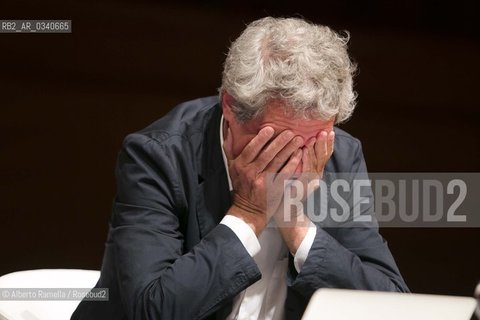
point(351, 256)
point(156, 278)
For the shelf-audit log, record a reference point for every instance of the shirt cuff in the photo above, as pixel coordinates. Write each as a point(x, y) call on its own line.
point(243, 232)
point(304, 248)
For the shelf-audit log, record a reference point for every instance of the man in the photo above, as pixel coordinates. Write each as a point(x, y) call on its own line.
point(192, 236)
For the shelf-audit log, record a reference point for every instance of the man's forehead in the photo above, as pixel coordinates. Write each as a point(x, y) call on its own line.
point(276, 116)
point(281, 113)
point(301, 127)
point(279, 120)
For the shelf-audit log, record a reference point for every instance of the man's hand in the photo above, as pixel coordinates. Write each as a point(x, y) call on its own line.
point(249, 173)
point(316, 153)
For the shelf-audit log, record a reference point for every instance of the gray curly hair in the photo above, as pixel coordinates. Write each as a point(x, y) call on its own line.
point(305, 66)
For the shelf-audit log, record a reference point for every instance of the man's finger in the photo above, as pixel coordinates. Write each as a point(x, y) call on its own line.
point(324, 148)
point(306, 164)
point(274, 157)
point(310, 161)
point(321, 147)
point(289, 169)
point(253, 148)
point(330, 143)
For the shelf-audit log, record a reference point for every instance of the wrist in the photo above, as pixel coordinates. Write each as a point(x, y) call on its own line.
point(293, 237)
point(294, 231)
point(254, 220)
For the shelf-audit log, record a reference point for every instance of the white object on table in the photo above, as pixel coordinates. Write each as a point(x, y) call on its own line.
point(44, 278)
point(340, 304)
point(477, 295)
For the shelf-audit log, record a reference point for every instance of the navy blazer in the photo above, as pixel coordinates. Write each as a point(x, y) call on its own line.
point(167, 257)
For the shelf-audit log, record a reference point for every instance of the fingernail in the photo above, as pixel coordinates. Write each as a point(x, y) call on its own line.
point(289, 134)
point(298, 141)
point(331, 135)
point(268, 131)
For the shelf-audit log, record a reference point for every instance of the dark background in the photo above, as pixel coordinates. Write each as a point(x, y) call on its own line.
point(67, 101)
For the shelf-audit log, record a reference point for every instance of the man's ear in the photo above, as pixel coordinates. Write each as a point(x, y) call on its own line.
point(227, 102)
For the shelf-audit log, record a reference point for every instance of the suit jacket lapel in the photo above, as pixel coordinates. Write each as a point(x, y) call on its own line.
point(214, 197)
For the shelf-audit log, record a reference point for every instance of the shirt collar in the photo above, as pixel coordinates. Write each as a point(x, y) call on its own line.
point(225, 161)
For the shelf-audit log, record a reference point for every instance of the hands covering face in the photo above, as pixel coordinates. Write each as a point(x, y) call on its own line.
point(265, 155)
point(317, 152)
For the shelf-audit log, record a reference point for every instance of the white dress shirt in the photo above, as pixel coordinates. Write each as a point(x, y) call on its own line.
point(265, 298)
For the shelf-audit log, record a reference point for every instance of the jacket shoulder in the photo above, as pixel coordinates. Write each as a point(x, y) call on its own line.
point(347, 152)
point(184, 120)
